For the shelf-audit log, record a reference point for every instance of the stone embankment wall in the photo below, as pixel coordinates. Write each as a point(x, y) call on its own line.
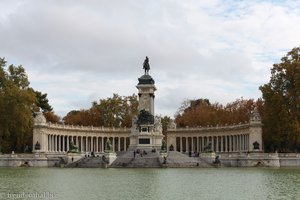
point(227, 160)
point(28, 160)
point(260, 160)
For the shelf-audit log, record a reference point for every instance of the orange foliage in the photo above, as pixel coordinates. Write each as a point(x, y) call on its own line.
point(201, 112)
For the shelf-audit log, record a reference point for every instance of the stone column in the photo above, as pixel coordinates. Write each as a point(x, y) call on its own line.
point(222, 143)
point(230, 143)
point(217, 144)
point(81, 143)
point(242, 142)
point(59, 143)
point(226, 143)
point(63, 143)
point(92, 143)
point(86, 144)
point(247, 142)
point(55, 143)
point(97, 144)
point(68, 143)
point(239, 142)
point(49, 143)
point(113, 141)
point(235, 143)
point(52, 143)
point(198, 144)
point(180, 140)
point(212, 143)
point(202, 143)
point(192, 145)
point(124, 147)
point(102, 144)
point(186, 144)
point(119, 144)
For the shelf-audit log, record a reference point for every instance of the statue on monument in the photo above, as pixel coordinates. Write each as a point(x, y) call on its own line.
point(146, 66)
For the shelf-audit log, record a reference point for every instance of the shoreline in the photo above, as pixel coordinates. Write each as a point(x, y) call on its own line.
point(172, 160)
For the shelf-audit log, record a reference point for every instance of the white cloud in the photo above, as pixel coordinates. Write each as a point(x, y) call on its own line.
point(78, 52)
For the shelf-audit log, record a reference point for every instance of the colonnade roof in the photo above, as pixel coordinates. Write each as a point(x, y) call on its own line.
point(84, 128)
point(210, 128)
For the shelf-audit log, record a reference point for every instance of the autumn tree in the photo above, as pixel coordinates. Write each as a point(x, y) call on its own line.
point(281, 97)
point(16, 104)
point(116, 111)
point(202, 112)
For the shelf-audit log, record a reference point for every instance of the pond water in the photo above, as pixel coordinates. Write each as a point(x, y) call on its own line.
point(137, 184)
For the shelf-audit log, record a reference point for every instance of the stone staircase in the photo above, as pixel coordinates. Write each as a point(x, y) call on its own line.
point(177, 159)
point(87, 162)
point(146, 161)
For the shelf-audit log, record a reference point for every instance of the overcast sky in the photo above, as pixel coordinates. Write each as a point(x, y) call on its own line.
point(81, 51)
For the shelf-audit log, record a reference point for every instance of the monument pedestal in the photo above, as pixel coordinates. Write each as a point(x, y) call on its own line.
point(110, 157)
point(73, 157)
point(146, 141)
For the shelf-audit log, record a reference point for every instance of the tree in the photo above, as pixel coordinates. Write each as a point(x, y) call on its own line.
point(16, 104)
point(51, 117)
point(165, 122)
point(281, 97)
point(201, 112)
point(116, 111)
point(42, 102)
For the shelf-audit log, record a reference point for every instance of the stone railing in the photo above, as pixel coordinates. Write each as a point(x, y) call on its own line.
point(87, 128)
point(248, 155)
point(289, 155)
point(218, 127)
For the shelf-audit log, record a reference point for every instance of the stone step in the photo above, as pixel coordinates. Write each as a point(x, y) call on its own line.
point(146, 160)
point(90, 162)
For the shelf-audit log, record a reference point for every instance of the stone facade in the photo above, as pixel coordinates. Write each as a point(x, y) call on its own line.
point(235, 138)
point(56, 138)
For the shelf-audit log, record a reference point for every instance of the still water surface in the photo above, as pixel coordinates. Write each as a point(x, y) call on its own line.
point(138, 184)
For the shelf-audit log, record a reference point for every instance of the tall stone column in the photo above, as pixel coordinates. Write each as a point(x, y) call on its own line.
point(92, 143)
point(59, 143)
point(230, 143)
point(239, 142)
point(186, 144)
point(212, 143)
point(181, 149)
point(192, 144)
point(235, 143)
point(102, 144)
point(113, 141)
point(81, 143)
point(68, 143)
point(97, 144)
point(63, 138)
point(226, 143)
point(198, 144)
point(202, 144)
point(54, 143)
point(222, 143)
point(243, 147)
point(86, 143)
point(217, 144)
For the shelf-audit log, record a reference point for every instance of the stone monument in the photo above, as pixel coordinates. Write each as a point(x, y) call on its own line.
point(146, 132)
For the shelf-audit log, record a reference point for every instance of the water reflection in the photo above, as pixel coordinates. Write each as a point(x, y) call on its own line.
point(225, 183)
